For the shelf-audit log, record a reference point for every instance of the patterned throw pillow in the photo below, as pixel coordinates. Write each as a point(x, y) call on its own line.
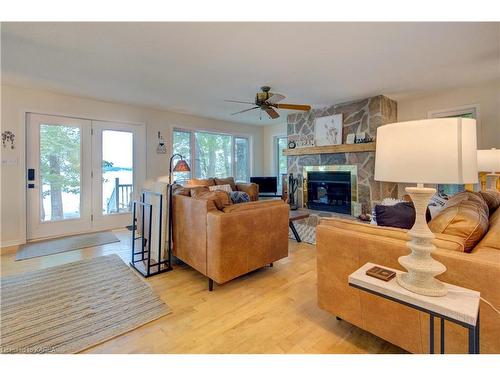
point(226, 188)
point(239, 197)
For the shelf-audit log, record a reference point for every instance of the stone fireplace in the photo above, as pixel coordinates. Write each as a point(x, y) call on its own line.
point(331, 188)
point(358, 116)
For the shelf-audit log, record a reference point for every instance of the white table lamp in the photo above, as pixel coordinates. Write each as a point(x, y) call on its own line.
point(435, 151)
point(489, 161)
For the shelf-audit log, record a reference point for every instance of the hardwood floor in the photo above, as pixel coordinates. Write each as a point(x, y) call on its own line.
point(271, 310)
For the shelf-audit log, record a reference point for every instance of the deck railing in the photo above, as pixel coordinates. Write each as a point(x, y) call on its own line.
point(121, 198)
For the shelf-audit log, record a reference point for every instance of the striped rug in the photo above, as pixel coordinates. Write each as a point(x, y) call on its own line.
point(69, 308)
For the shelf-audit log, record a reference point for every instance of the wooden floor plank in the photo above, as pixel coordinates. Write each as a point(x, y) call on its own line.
point(271, 310)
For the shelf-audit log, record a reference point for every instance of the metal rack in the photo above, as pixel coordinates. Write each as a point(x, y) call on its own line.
point(141, 260)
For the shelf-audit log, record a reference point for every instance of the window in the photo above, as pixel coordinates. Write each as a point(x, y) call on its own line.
point(463, 112)
point(215, 155)
point(182, 145)
point(241, 159)
point(281, 160)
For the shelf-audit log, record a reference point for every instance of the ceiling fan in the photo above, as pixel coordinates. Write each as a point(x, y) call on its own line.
point(267, 101)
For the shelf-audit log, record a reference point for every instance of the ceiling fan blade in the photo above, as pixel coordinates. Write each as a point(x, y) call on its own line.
point(275, 98)
point(245, 110)
point(237, 101)
point(272, 113)
point(298, 107)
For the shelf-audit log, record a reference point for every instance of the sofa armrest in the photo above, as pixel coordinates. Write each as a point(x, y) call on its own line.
point(250, 188)
point(190, 231)
point(241, 241)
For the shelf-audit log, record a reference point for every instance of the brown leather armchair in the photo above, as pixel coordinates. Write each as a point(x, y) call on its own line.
point(224, 244)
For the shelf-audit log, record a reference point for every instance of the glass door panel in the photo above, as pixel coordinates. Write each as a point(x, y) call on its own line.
point(119, 168)
point(117, 171)
point(60, 172)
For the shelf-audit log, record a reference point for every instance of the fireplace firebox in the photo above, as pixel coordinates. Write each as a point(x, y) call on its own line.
point(329, 191)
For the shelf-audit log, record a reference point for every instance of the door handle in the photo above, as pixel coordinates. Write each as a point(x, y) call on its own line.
point(31, 174)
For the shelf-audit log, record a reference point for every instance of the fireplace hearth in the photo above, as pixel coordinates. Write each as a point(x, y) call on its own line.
point(329, 191)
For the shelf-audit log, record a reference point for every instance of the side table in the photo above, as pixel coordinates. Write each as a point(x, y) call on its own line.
point(460, 305)
point(294, 216)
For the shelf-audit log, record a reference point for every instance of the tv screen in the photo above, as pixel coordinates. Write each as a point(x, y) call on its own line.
point(266, 184)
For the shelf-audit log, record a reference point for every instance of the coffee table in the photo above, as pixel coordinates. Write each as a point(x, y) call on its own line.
point(294, 216)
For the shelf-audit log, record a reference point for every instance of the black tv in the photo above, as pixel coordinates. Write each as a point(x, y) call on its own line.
point(267, 185)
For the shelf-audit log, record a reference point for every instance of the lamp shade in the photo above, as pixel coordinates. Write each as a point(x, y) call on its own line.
point(441, 150)
point(182, 166)
point(488, 160)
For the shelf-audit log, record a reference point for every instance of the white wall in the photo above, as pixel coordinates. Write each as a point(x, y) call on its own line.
point(16, 101)
point(269, 154)
point(485, 94)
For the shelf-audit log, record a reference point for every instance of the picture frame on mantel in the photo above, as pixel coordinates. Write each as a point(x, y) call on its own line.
point(328, 130)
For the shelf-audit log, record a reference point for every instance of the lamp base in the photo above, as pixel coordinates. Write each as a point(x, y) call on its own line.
point(420, 265)
point(432, 288)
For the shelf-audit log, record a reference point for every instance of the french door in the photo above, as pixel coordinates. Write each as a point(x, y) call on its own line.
point(80, 174)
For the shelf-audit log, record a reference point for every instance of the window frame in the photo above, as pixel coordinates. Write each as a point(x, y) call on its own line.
point(459, 111)
point(277, 156)
point(233, 136)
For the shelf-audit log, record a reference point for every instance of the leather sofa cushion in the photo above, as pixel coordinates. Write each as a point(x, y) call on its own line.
point(492, 199)
point(180, 190)
point(463, 216)
point(226, 181)
point(201, 182)
point(252, 205)
point(220, 198)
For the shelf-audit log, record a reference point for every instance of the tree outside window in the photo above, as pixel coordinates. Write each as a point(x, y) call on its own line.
point(215, 155)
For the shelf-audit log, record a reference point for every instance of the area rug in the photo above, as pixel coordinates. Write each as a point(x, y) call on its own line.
point(307, 232)
point(60, 245)
point(69, 308)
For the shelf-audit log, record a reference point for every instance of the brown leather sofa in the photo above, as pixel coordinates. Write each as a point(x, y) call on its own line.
point(248, 187)
point(223, 240)
point(468, 244)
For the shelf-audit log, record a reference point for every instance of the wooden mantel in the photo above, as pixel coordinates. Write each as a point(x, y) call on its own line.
point(331, 149)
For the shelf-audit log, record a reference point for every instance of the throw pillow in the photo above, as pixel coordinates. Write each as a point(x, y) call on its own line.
point(400, 215)
point(226, 188)
point(385, 202)
point(201, 182)
point(180, 190)
point(239, 197)
point(492, 199)
point(219, 198)
point(437, 203)
point(225, 181)
point(465, 218)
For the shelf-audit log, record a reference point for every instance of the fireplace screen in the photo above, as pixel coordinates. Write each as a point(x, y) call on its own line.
point(329, 191)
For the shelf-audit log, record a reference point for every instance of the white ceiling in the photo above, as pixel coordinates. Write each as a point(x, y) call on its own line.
point(193, 67)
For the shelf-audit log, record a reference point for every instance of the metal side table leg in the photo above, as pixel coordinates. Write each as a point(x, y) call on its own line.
point(294, 231)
